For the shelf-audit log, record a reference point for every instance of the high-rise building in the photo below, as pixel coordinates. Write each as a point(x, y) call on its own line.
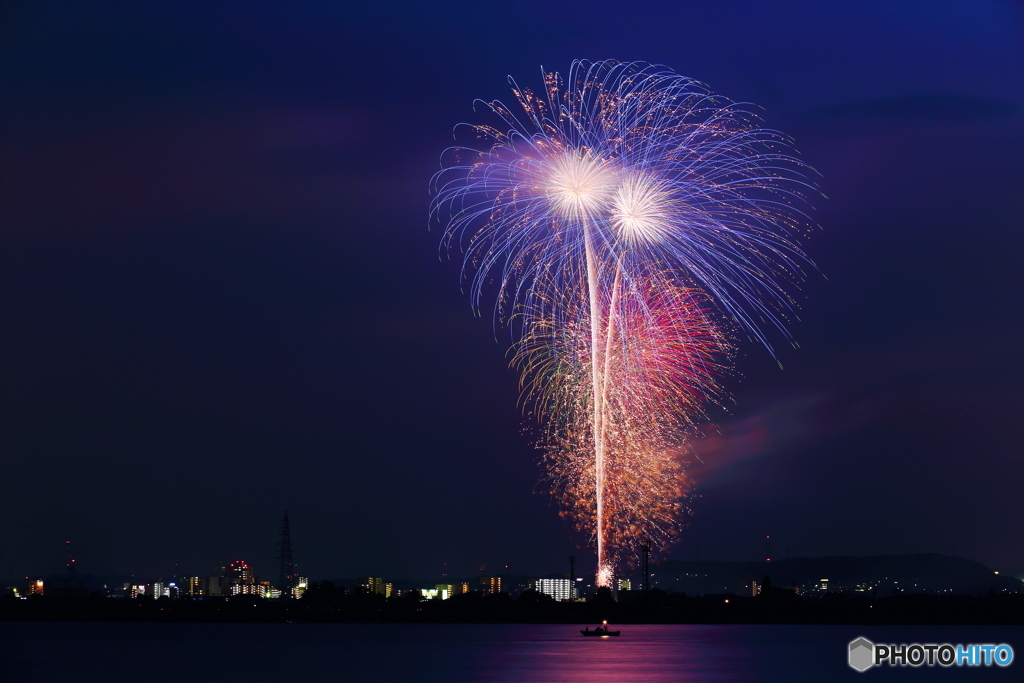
point(238, 572)
point(133, 590)
point(199, 586)
point(559, 589)
point(35, 587)
point(257, 589)
point(284, 553)
point(191, 586)
point(490, 584)
point(373, 584)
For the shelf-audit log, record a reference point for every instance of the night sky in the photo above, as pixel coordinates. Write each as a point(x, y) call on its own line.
point(220, 298)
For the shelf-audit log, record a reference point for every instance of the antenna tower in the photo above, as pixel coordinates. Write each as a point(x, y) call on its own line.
point(572, 578)
point(69, 579)
point(646, 548)
point(284, 553)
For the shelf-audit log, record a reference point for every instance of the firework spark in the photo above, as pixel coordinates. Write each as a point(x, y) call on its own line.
point(631, 218)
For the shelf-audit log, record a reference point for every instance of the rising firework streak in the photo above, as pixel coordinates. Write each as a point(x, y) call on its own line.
point(632, 220)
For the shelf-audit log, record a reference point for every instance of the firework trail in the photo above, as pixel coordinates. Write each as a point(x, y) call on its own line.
point(630, 219)
point(660, 359)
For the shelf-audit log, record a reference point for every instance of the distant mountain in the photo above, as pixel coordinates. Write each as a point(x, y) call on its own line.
point(880, 575)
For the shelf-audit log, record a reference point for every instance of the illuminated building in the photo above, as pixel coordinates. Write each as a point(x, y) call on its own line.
point(301, 583)
point(373, 584)
point(625, 585)
point(159, 589)
point(559, 589)
point(134, 591)
point(238, 579)
point(445, 590)
point(257, 589)
point(200, 586)
point(35, 587)
point(238, 573)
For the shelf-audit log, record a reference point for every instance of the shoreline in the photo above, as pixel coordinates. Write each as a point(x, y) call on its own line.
point(663, 608)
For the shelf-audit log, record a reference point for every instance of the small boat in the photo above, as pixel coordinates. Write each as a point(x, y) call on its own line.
point(601, 631)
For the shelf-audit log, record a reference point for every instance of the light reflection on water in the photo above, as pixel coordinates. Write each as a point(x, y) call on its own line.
point(467, 653)
point(643, 654)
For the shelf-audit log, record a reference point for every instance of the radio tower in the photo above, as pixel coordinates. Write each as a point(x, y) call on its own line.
point(572, 578)
point(646, 548)
point(70, 578)
point(284, 553)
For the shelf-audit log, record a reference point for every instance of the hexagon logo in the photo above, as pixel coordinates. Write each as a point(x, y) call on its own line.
point(862, 654)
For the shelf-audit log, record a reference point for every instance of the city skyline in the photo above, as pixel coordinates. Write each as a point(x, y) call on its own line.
point(872, 577)
point(219, 579)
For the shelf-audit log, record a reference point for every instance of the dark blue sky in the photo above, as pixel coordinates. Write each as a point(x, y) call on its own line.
point(220, 299)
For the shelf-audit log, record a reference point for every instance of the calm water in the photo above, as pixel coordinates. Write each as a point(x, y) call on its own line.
point(461, 653)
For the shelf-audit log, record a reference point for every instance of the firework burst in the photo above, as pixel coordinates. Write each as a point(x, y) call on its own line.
point(630, 218)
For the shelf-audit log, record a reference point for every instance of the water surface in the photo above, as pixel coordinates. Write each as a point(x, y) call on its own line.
point(468, 653)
